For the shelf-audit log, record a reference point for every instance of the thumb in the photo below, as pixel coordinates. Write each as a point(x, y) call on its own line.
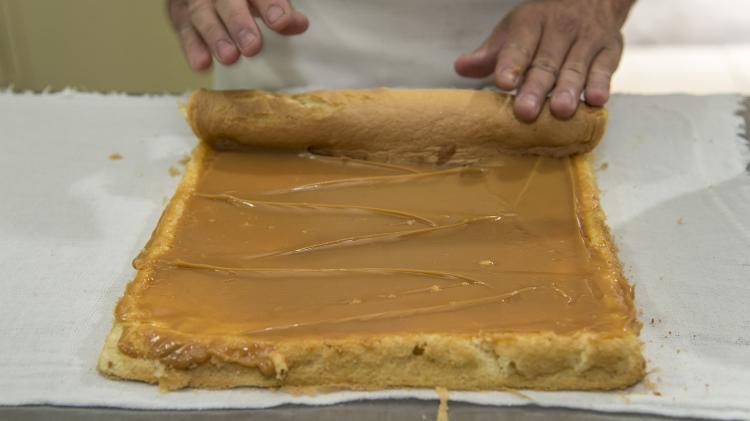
point(481, 62)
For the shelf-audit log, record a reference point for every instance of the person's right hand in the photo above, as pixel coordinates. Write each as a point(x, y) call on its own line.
point(225, 29)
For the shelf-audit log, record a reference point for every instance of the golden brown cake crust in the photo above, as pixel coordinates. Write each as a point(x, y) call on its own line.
point(545, 360)
point(584, 361)
point(384, 124)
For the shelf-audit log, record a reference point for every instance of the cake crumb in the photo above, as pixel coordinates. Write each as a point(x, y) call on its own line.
point(650, 386)
point(442, 414)
point(184, 160)
point(680, 221)
point(517, 393)
point(115, 156)
point(652, 322)
point(173, 171)
point(604, 166)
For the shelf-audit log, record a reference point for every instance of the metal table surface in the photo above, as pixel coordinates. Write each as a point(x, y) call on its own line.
point(362, 411)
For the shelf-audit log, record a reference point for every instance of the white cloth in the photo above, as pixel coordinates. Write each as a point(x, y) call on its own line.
point(703, 69)
point(676, 193)
point(671, 46)
point(364, 43)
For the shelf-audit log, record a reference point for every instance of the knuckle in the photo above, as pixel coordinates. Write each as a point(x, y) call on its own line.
point(601, 74)
point(573, 71)
point(216, 32)
point(236, 8)
point(517, 48)
point(212, 32)
point(574, 68)
point(570, 83)
point(539, 82)
point(208, 26)
point(237, 20)
point(186, 33)
point(545, 64)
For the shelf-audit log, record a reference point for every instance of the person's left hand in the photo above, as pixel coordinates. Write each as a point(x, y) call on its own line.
point(563, 46)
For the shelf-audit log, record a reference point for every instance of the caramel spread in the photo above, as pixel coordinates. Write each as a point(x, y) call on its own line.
point(274, 246)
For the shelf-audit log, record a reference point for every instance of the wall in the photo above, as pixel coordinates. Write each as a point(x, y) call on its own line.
point(102, 45)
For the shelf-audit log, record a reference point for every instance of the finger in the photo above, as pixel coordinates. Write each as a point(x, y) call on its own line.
point(600, 74)
point(481, 62)
point(242, 27)
point(280, 16)
point(572, 78)
point(195, 50)
point(516, 54)
point(204, 18)
point(542, 74)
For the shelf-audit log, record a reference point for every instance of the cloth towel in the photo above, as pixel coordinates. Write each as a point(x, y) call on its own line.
point(675, 182)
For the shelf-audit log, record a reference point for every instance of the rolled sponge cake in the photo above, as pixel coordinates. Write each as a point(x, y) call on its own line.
point(383, 124)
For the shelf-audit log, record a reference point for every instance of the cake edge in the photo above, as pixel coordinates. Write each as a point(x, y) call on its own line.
point(541, 361)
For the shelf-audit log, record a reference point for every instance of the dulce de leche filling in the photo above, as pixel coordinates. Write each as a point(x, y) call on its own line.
point(285, 245)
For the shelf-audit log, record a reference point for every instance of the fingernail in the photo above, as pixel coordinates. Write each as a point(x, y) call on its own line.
point(274, 13)
point(509, 76)
point(224, 48)
point(528, 101)
point(246, 38)
point(566, 97)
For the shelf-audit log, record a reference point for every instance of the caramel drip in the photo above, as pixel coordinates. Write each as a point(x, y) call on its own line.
point(527, 182)
point(358, 240)
point(379, 270)
point(345, 160)
point(365, 181)
point(315, 206)
point(450, 306)
point(427, 273)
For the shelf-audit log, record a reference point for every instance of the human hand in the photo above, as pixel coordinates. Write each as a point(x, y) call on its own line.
point(563, 46)
point(226, 29)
